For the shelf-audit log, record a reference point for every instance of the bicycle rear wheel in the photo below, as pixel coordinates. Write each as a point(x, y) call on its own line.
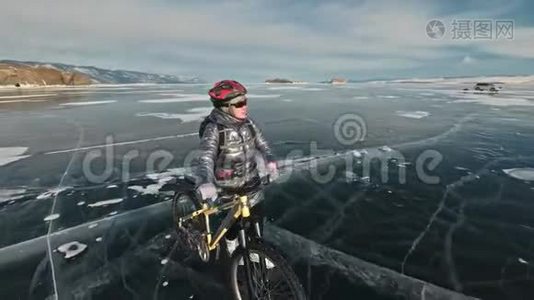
point(270, 276)
point(189, 232)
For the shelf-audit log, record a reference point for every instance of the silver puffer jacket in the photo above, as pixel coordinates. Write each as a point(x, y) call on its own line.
point(229, 148)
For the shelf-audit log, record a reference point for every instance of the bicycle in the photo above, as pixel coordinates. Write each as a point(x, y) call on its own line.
point(255, 269)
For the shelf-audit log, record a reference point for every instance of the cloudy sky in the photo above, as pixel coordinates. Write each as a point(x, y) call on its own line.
point(253, 40)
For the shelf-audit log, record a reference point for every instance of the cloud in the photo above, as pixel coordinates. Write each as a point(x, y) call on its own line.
point(235, 37)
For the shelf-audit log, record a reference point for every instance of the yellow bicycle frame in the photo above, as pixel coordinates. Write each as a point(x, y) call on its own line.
point(239, 206)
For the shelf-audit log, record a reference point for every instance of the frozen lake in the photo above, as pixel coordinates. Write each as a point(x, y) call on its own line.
point(88, 165)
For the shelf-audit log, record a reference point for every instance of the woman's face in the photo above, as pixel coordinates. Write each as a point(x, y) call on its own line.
point(238, 112)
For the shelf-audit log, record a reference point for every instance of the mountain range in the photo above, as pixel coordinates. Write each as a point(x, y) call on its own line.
point(14, 72)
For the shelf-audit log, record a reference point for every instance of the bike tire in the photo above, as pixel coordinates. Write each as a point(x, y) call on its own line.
point(184, 203)
point(280, 270)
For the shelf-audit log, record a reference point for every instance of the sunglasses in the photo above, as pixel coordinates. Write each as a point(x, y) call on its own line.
point(237, 105)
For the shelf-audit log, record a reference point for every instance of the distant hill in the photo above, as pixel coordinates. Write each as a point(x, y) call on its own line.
point(39, 73)
point(278, 80)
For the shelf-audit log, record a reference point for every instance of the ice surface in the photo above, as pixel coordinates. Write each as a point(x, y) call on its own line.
point(495, 101)
point(20, 101)
point(526, 174)
point(25, 96)
point(72, 249)
point(252, 96)
point(179, 98)
point(413, 114)
point(299, 88)
point(11, 154)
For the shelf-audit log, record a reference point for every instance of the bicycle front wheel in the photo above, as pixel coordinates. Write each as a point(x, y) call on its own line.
point(263, 274)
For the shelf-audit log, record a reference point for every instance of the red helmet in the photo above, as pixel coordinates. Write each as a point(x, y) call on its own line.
point(226, 90)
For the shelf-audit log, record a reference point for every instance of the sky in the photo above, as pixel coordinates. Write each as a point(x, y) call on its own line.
point(254, 40)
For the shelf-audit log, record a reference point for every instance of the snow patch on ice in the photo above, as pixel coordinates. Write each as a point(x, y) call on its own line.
point(522, 261)
point(162, 178)
point(106, 202)
point(385, 149)
point(80, 203)
point(52, 193)
point(413, 114)
point(93, 225)
point(72, 249)
point(164, 261)
point(526, 174)
point(87, 103)
point(11, 154)
point(360, 97)
point(191, 115)
point(9, 194)
point(98, 239)
point(51, 217)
